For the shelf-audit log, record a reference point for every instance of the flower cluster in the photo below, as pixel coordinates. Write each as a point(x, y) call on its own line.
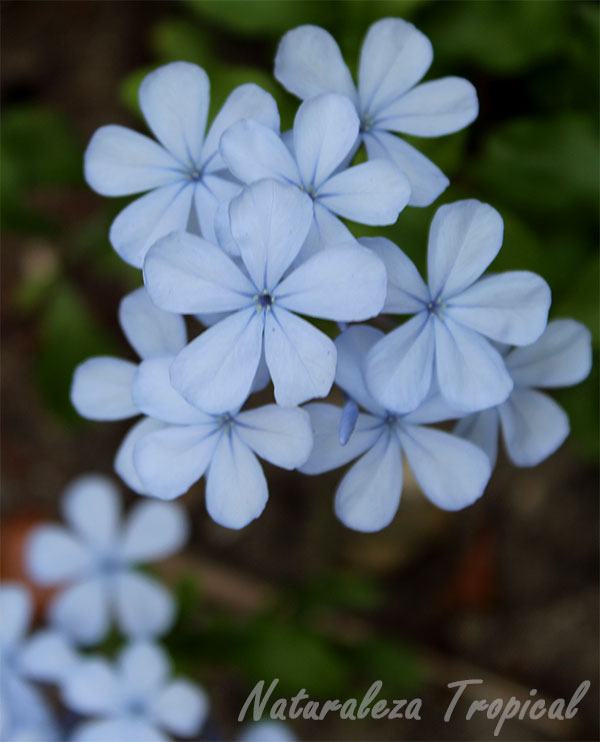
point(244, 229)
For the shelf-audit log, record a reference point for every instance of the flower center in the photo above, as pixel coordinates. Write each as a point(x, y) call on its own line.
point(310, 190)
point(226, 422)
point(108, 563)
point(263, 301)
point(194, 173)
point(435, 307)
point(367, 122)
point(390, 420)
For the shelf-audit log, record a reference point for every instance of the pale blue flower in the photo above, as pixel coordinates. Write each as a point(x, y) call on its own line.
point(183, 173)
point(269, 730)
point(135, 699)
point(25, 714)
point(394, 57)
point(451, 474)
point(94, 562)
point(454, 315)
point(269, 222)
point(224, 445)
point(533, 425)
point(325, 132)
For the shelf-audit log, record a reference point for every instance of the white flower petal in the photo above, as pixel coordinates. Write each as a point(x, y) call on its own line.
point(236, 488)
point(398, 369)
point(216, 370)
point(92, 505)
point(432, 109)
point(407, 293)
point(269, 222)
point(426, 180)
point(150, 330)
point(369, 494)
point(149, 218)
point(247, 101)
point(452, 472)
point(309, 62)
point(153, 531)
point(280, 435)
point(353, 346)
point(510, 307)
point(373, 192)
point(327, 452)
point(124, 465)
point(301, 358)
point(15, 609)
point(533, 426)
point(471, 373)
point(119, 161)
point(101, 389)
point(174, 100)
point(182, 708)
point(143, 668)
point(92, 688)
point(54, 555)
point(464, 238)
point(82, 611)
point(482, 430)
point(252, 151)
point(144, 607)
point(325, 130)
point(562, 356)
point(171, 460)
point(394, 56)
point(184, 273)
point(155, 396)
point(345, 283)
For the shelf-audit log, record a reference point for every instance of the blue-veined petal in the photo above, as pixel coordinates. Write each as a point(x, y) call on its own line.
point(184, 273)
point(269, 222)
point(150, 330)
point(309, 62)
point(149, 218)
point(236, 488)
point(394, 56)
point(432, 109)
point(123, 464)
point(327, 230)
point(91, 504)
point(252, 151)
point(144, 606)
point(369, 494)
point(101, 389)
point(209, 193)
point(352, 347)
point(327, 453)
point(510, 307)
point(533, 426)
point(281, 435)
point(373, 192)
point(301, 358)
point(81, 611)
point(452, 472)
point(562, 356)
point(346, 283)
point(169, 461)
point(153, 531)
point(174, 100)
point(426, 180)
point(464, 238)
point(216, 370)
point(481, 428)
point(119, 161)
point(325, 130)
point(471, 373)
point(407, 293)
point(181, 708)
point(398, 369)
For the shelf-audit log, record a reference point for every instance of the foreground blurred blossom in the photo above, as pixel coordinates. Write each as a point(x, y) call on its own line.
point(269, 222)
point(452, 472)
point(185, 172)
point(394, 57)
point(455, 316)
point(325, 131)
point(533, 425)
point(267, 731)
point(95, 562)
point(134, 700)
point(45, 656)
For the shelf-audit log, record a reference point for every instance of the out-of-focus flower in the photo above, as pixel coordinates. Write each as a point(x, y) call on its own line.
point(183, 172)
point(451, 474)
point(94, 561)
point(267, 731)
point(394, 57)
point(134, 700)
point(455, 316)
point(533, 425)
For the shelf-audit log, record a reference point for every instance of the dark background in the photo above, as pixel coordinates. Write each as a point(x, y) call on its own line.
point(506, 590)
